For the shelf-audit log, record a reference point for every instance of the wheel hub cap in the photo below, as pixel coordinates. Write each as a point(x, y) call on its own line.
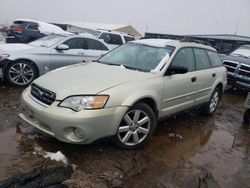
point(134, 128)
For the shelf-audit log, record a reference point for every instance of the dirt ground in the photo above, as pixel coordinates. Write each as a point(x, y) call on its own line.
point(209, 151)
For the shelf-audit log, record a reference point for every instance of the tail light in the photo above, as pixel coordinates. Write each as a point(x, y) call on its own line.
point(17, 29)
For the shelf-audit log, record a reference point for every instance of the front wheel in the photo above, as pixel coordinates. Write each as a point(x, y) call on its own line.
point(136, 127)
point(20, 73)
point(247, 116)
point(213, 103)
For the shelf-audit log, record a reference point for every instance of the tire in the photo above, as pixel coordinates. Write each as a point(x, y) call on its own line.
point(246, 116)
point(20, 73)
point(211, 106)
point(133, 135)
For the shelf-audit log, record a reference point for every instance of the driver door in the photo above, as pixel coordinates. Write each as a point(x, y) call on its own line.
point(75, 54)
point(179, 89)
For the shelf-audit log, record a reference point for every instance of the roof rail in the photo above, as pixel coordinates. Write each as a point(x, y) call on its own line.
point(188, 39)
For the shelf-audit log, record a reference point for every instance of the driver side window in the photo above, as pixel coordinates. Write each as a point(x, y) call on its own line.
point(75, 43)
point(184, 57)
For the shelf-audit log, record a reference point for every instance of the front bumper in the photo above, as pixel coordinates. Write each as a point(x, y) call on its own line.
point(239, 81)
point(61, 122)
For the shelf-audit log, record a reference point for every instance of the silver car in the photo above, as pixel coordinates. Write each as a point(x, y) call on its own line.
point(20, 64)
point(126, 92)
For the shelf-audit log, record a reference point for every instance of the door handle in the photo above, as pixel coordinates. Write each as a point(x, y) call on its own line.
point(193, 79)
point(214, 74)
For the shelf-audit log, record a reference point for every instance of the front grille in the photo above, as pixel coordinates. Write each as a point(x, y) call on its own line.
point(244, 70)
point(45, 96)
point(230, 65)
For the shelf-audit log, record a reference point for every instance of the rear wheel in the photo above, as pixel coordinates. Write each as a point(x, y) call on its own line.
point(247, 116)
point(20, 73)
point(213, 103)
point(136, 127)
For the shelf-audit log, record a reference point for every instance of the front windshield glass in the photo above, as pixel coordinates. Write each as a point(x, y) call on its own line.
point(137, 56)
point(47, 41)
point(91, 32)
point(243, 51)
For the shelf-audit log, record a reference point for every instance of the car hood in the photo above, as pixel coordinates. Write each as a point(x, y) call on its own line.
point(89, 78)
point(237, 59)
point(6, 48)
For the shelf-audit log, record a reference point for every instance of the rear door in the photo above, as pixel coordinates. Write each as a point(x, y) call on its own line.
point(75, 54)
point(179, 89)
point(205, 75)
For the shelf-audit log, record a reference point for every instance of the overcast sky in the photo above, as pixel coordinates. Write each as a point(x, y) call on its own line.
point(161, 16)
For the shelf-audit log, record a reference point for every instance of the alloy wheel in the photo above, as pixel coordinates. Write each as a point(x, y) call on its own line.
point(135, 127)
point(214, 101)
point(21, 73)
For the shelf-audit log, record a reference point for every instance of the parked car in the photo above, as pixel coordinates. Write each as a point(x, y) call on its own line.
point(2, 40)
point(20, 64)
point(238, 67)
point(25, 31)
point(246, 116)
point(111, 38)
point(126, 92)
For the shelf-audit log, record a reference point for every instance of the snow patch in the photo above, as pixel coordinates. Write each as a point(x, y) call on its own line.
point(58, 156)
point(46, 28)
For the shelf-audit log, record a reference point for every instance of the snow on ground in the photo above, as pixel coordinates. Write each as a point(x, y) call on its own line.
point(58, 156)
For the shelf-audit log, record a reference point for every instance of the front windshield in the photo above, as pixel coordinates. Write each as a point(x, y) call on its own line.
point(243, 51)
point(91, 32)
point(137, 56)
point(47, 41)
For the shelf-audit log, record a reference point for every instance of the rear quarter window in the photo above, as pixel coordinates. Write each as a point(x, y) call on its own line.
point(214, 59)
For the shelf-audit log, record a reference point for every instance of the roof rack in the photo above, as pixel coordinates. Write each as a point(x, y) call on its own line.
point(188, 39)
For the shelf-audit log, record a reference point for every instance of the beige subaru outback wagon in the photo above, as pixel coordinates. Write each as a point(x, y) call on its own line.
point(126, 92)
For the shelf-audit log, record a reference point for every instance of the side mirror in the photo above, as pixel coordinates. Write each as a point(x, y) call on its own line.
point(177, 70)
point(62, 47)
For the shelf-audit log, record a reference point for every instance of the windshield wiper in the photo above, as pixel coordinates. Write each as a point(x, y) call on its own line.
point(113, 64)
point(124, 66)
point(135, 68)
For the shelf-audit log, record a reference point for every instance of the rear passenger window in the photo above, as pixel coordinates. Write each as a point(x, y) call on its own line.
point(91, 44)
point(184, 57)
point(111, 38)
point(127, 39)
point(214, 58)
point(202, 61)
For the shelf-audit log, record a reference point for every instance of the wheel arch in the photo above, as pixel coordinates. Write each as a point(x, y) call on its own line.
point(23, 59)
point(150, 100)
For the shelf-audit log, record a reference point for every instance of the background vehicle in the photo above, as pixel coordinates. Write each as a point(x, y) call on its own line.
point(126, 92)
point(111, 38)
point(20, 64)
point(246, 116)
point(238, 67)
point(25, 31)
point(2, 40)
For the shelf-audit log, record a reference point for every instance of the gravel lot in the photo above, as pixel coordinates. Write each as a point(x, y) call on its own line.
point(184, 150)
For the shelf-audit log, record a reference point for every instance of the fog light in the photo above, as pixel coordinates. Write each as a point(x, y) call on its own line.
point(79, 133)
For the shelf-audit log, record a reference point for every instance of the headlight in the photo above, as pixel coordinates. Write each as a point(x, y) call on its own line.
point(78, 103)
point(4, 56)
